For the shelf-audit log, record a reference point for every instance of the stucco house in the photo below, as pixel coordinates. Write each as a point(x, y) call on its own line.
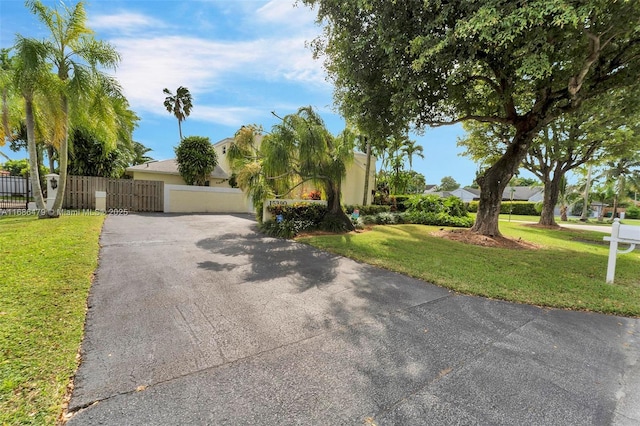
point(167, 171)
point(218, 196)
point(352, 184)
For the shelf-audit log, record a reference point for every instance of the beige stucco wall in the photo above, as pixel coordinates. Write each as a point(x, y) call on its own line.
point(202, 199)
point(171, 179)
point(221, 151)
point(353, 183)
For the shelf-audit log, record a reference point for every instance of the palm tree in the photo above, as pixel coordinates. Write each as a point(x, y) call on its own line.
point(299, 149)
point(179, 104)
point(76, 57)
point(30, 73)
point(618, 172)
point(410, 148)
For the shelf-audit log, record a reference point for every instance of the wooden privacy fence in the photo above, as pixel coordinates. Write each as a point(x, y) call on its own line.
point(129, 194)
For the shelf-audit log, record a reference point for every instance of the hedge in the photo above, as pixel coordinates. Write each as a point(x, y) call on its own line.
point(524, 208)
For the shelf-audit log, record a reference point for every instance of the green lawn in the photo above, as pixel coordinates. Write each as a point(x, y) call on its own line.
point(567, 271)
point(592, 221)
point(46, 268)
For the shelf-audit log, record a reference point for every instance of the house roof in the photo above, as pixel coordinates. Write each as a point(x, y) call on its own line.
point(170, 167)
point(520, 193)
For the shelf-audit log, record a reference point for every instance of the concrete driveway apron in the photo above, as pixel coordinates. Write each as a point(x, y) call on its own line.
point(198, 319)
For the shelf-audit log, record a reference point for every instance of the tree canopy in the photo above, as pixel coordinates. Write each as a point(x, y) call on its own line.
point(179, 105)
point(521, 64)
point(196, 159)
point(298, 149)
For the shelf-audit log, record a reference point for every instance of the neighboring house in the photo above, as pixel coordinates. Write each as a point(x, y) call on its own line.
point(523, 193)
point(466, 194)
point(430, 189)
point(167, 172)
point(520, 193)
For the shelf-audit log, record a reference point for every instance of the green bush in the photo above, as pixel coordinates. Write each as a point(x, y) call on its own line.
point(330, 223)
point(632, 212)
point(437, 219)
point(313, 212)
point(425, 204)
point(419, 218)
point(295, 219)
point(400, 202)
point(526, 208)
point(367, 210)
point(453, 206)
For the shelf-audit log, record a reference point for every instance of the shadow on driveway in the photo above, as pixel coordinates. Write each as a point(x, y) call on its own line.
point(200, 320)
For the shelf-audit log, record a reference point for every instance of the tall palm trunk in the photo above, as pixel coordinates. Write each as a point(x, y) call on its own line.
point(587, 189)
point(33, 154)
point(367, 170)
point(63, 157)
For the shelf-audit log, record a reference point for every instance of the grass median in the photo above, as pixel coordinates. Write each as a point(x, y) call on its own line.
point(566, 270)
point(46, 267)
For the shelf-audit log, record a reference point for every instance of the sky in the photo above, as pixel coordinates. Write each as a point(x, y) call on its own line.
point(240, 59)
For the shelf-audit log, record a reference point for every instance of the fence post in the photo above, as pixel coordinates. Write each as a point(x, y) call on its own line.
point(613, 250)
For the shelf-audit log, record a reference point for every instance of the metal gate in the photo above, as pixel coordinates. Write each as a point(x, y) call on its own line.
point(15, 192)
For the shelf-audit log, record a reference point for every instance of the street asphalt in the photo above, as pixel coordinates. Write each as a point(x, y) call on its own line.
point(200, 320)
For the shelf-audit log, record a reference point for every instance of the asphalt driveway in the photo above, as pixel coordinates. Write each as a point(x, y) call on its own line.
point(197, 319)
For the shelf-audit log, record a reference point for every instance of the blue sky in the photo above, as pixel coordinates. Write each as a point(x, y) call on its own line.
point(239, 59)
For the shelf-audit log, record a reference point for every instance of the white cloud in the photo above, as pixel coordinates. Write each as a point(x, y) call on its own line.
point(125, 22)
point(151, 64)
point(229, 116)
point(285, 12)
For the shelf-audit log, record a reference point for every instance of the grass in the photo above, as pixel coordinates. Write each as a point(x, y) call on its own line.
point(46, 268)
point(567, 271)
point(572, 220)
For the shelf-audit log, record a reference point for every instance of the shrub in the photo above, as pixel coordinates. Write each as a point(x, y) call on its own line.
point(425, 203)
point(330, 223)
point(295, 219)
point(519, 207)
point(432, 203)
point(196, 159)
point(313, 212)
point(437, 219)
point(632, 212)
point(367, 210)
point(455, 207)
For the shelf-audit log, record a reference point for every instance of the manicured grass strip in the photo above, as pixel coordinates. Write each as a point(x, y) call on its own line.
point(568, 271)
point(46, 268)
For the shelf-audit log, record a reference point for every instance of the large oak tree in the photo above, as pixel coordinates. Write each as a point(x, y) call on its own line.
point(517, 63)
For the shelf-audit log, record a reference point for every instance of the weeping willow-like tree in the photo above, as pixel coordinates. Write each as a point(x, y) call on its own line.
point(299, 149)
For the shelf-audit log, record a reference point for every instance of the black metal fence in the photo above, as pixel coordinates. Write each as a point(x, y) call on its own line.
point(15, 192)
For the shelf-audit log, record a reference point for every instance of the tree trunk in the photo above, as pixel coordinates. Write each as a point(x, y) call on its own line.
point(63, 159)
point(50, 153)
point(495, 179)
point(587, 189)
point(33, 156)
point(333, 204)
point(5, 114)
point(563, 213)
point(614, 211)
point(551, 192)
point(367, 170)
